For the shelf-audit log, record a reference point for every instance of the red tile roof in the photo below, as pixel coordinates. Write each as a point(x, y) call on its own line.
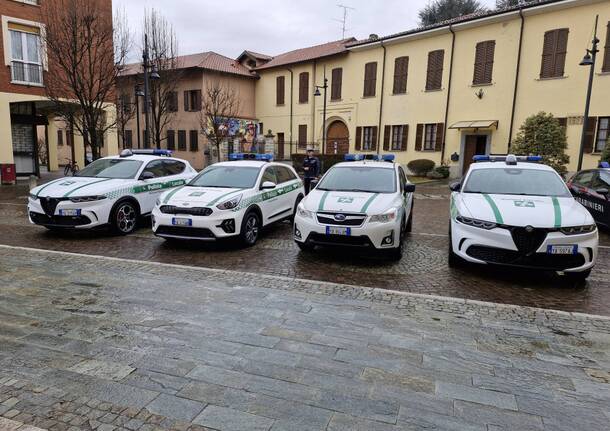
point(309, 53)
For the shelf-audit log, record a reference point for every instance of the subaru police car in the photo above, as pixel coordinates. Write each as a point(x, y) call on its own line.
point(229, 199)
point(365, 202)
point(514, 211)
point(111, 191)
point(591, 188)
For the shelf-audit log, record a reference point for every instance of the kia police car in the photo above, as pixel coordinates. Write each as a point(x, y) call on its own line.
point(591, 188)
point(229, 199)
point(365, 202)
point(111, 191)
point(514, 211)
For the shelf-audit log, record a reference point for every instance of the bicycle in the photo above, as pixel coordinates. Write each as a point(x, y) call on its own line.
point(71, 168)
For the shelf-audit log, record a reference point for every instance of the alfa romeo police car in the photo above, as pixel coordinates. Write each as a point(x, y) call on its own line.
point(359, 203)
point(229, 199)
point(111, 191)
point(514, 211)
point(591, 188)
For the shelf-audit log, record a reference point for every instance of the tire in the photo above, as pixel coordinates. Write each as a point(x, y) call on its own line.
point(250, 229)
point(75, 170)
point(409, 227)
point(124, 217)
point(578, 276)
point(296, 204)
point(305, 247)
point(396, 253)
point(453, 259)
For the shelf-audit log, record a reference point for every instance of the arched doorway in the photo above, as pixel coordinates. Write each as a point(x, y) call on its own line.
point(337, 138)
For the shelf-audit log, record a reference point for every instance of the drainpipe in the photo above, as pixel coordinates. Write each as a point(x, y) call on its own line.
point(512, 115)
point(448, 93)
point(313, 106)
point(381, 98)
point(291, 112)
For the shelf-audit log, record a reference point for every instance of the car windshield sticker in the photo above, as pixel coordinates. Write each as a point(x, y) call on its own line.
point(85, 185)
point(345, 200)
point(322, 201)
point(245, 203)
point(557, 210)
point(170, 194)
point(368, 203)
point(494, 208)
point(197, 194)
point(524, 204)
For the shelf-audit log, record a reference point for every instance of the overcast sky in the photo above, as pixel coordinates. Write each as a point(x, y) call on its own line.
point(273, 26)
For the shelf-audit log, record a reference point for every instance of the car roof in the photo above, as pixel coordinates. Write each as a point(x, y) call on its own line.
point(145, 158)
point(503, 165)
point(366, 163)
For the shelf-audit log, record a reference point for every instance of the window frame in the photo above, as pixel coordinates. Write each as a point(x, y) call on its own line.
point(596, 148)
point(432, 135)
point(24, 61)
point(401, 79)
point(396, 140)
point(367, 133)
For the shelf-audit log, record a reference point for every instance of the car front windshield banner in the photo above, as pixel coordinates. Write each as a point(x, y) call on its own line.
point(515, 181)
point(233, 177)
point(111, 168)
point(359, 179)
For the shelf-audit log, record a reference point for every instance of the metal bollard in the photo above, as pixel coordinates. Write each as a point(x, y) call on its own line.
point(33, 181)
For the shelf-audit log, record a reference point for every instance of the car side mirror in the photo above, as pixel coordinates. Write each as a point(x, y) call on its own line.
point(455, 187)
point(267, 185)
point(147, 175)
point(409, 188)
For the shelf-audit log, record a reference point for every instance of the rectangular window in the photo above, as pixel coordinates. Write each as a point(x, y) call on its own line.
point(26, 63)
point(336, 83)
point(430, 137)
point(128, 139)
point(601, 140)
point(434, 76)
point(194, 140)
point(370, 79)
point(398, 137)
point(192, 100)
point(181, 140)
point(60, 138)
point(401, 69)
point(280, 86)
point(606, 64)
point(304, 87)
point(171, 140)
point(484, 62)
point(554, 52)
point(368, 139)
point(302, 136)
point(172, 101)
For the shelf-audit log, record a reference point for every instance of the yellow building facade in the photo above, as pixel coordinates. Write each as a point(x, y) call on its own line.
point(465, 88)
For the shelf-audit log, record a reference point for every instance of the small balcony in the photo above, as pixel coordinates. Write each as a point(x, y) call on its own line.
point(26, 73)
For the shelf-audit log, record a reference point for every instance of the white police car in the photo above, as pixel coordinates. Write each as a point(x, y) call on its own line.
point(364, 202)
point(111, 191)
point(229, 199)
point(514, 211)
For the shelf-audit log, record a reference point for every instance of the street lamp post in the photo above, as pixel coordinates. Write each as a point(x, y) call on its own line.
point(150, 72)
point(588, 60)
point(138, 93)
point(317, 93)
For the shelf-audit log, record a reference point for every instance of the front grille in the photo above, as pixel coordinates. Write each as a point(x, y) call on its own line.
point(60, 221)
point(528, 242)
point(535, 260)
point(196, 211)
point(350, 219)
point(190, 232)
point(49, 205)
point(353, 241)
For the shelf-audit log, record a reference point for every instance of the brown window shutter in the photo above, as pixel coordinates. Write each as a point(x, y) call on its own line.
point(590, 135)
point(440, 132)
point(606, 64)
point(194, 140)
point(197, 100)
point(374, 139)
point(401, 68)
point(405, 137)
point(358, 143)
point(302, 135)
point(337, 78)
point(370, 79)
point(280, 90)
point(434, 78)
point(419, 137)
point(186, 102)
point(484, 61)
point(554, 51)
point(304, 87)
point(387, 134)
point(563, 121)
point(171, 140)
point(489, 61)
point(561, 51)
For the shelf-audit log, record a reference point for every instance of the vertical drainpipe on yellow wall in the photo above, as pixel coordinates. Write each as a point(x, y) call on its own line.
point(448, 93)
point(512, 115)
point(313, 106)
point(379, 140)
point(291, 113)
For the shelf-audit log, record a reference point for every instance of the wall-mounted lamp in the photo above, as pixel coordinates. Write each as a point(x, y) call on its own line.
point(480, 93)
point(455, 157)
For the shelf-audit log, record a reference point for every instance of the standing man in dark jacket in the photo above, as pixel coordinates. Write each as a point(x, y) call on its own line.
point(311, 167)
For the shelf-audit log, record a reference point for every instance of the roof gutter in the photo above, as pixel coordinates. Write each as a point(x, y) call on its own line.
point(514, 107)
point(448, 93)
point(378, 143)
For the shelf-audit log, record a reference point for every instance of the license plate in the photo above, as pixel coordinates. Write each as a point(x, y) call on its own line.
point(69, 213)
point(182, 222)
point(331, 230)
point(562, 249)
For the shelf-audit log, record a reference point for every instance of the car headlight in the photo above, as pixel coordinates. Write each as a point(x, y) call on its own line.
point(80, 199)
point(302, 212)
point(575, 230)
point(476, 223)
point(230, 204)
point(386, 217)
point(33, 197)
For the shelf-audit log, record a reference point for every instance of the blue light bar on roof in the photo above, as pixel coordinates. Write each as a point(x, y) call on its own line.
point(353, 157)
point(153, 152)
point(604, 165)
point(250, 156)
point(480, 158)
point(508, 158)
point(388, 157)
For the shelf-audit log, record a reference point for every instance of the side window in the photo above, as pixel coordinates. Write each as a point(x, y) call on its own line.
point(605, 179)
point(597, 183)
point(157, 168)
point(269, 175)
point(174, 167)
point(402, 178)
point(584, 179)
point(284, 174)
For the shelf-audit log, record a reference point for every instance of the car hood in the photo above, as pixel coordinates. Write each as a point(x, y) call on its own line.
point(516, 210)
point(349, 202)
point(198, 196)
point(78, 186)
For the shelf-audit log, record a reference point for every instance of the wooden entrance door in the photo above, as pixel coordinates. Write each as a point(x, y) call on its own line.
point(337, 138)
point(475, 145)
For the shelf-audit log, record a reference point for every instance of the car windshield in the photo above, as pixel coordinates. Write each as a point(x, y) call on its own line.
point(111, 168)
point(239, 177)
point(515, 181)
point(359, 179)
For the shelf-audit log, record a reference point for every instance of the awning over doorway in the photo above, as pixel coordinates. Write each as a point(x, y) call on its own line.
point(478, 124)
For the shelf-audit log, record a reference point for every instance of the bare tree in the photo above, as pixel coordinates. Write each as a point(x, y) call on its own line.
point(126, 111)
point(85, 54)
point(219, 104)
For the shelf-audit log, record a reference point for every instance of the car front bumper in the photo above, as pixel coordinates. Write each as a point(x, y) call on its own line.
point(218, 225)
point(497, 246)
point(92, 214)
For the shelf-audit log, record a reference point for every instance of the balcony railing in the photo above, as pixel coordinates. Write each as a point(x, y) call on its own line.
point(26, 73)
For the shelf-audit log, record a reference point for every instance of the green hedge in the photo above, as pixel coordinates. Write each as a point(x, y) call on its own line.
point(326, 161)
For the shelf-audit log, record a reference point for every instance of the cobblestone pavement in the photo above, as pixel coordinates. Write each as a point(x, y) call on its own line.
point(145, 346)
point(423, 269)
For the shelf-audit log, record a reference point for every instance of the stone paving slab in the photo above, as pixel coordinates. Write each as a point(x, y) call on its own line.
point(139, 345)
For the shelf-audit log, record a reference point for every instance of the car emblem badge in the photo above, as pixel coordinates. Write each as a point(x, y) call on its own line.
point(529, 229)
point(340, 217)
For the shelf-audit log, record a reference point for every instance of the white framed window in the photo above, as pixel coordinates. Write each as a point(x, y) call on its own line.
point(430, 137)
point(367, 138)
point(603, 134)
point(26, 60)
point(397, 137)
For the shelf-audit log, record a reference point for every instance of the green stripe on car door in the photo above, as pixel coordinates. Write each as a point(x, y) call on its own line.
point(170, 194)
point(322, 201)
point(85, 185)
point(494, 208)
point(368, 203)
point(557, 210)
